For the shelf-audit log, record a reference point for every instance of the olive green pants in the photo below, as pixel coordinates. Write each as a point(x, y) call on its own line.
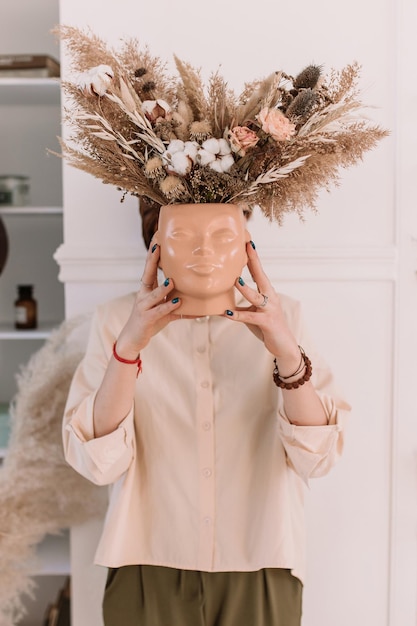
point(147, 595)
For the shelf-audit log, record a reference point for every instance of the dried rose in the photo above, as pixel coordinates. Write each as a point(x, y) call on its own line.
point(242, 139)
point(96, 80)
point(276, 124)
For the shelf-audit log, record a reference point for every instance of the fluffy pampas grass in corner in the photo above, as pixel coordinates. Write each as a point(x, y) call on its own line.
point(39, 493)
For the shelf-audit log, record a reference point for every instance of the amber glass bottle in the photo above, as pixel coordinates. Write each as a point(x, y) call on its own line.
point(25, 308)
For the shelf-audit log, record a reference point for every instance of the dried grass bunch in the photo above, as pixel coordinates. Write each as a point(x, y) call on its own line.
point(40, 493)
point(173, 139)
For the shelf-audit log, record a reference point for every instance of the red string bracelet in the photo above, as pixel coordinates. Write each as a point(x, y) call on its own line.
point(137, 361)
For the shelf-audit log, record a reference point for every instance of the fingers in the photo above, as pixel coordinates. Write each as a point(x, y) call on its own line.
point(258, 299)
point(151, 297)
point(247, 316)
point(155, 297)
point(151, 309)
point(164, 309)
point(149, 278)
point(256, 270)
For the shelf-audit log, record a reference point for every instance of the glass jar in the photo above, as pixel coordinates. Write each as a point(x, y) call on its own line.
point(14, 190)
point(25, 308)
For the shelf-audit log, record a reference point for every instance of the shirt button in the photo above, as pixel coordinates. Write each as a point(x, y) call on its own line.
point(205, 384)
point(206, 425)
point(199, 320)
point(207, 472)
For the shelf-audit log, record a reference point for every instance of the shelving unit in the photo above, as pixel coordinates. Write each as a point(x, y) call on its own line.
point(29, 126)
point(30, 122)
point(33, 210)
point(42, 332)
point(7, 330)
point(31, 91)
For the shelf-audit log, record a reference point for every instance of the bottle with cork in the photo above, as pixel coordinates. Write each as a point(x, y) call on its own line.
point(25, 308)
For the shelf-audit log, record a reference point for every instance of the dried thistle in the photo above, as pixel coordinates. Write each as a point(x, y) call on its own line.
point(173, 188)
point(308, 78)
point(154, 168)
point(200, 131)
point(302, 104)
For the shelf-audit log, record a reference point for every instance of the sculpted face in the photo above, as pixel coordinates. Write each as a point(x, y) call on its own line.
point(203, 249)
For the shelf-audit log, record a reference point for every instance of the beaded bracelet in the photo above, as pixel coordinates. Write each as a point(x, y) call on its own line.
point(137, 361)
point(280, 380)
point(299, 369)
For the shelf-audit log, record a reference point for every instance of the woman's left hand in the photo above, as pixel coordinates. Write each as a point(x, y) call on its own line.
point(265, 317)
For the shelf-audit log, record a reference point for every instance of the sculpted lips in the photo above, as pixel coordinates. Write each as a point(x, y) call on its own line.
point(202, 268)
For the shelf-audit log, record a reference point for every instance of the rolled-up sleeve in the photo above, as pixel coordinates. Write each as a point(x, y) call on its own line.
point(102, 460)
point(313, 450)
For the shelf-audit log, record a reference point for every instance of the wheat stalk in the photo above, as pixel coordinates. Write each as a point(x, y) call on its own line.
point(272, 175)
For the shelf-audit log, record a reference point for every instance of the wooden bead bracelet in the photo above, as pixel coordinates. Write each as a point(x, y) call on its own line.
point(280, 380)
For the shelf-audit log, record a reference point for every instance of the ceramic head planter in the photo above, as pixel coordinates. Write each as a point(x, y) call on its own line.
point(203, 249)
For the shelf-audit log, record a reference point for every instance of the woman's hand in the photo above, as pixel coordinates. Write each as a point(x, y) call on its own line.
point(152, 310)
point(265, 317)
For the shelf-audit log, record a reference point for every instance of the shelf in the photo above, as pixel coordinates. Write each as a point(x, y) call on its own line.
point(31, 210)
point(29, 91)
point(53, 556)
point(7, 331)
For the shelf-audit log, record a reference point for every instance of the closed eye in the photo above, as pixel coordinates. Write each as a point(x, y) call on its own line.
point(224, 235)
point(181, 234)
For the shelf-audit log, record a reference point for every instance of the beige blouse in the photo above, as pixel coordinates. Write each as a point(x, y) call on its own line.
point(206, 471)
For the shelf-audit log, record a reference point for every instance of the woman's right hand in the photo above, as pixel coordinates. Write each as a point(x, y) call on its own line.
point(153, 309)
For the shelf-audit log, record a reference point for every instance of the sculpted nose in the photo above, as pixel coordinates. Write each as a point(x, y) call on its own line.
point(201, 251)
point(203, 247)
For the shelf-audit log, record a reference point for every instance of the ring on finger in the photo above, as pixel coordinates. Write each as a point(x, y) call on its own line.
point(265, 300)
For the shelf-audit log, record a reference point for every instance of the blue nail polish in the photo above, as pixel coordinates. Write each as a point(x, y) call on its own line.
point(241, 281)
point(166, 282)
point(154, 247)
point(229, 312)
point(175, 300)
point(253, 245)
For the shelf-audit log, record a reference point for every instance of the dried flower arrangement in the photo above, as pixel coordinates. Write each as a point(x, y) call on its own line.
point(172, 139)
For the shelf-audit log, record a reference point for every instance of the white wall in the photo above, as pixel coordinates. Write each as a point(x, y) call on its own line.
point(250, 43)
point(353, 265)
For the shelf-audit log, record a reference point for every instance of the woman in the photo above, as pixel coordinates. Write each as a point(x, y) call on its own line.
point(206, 447)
